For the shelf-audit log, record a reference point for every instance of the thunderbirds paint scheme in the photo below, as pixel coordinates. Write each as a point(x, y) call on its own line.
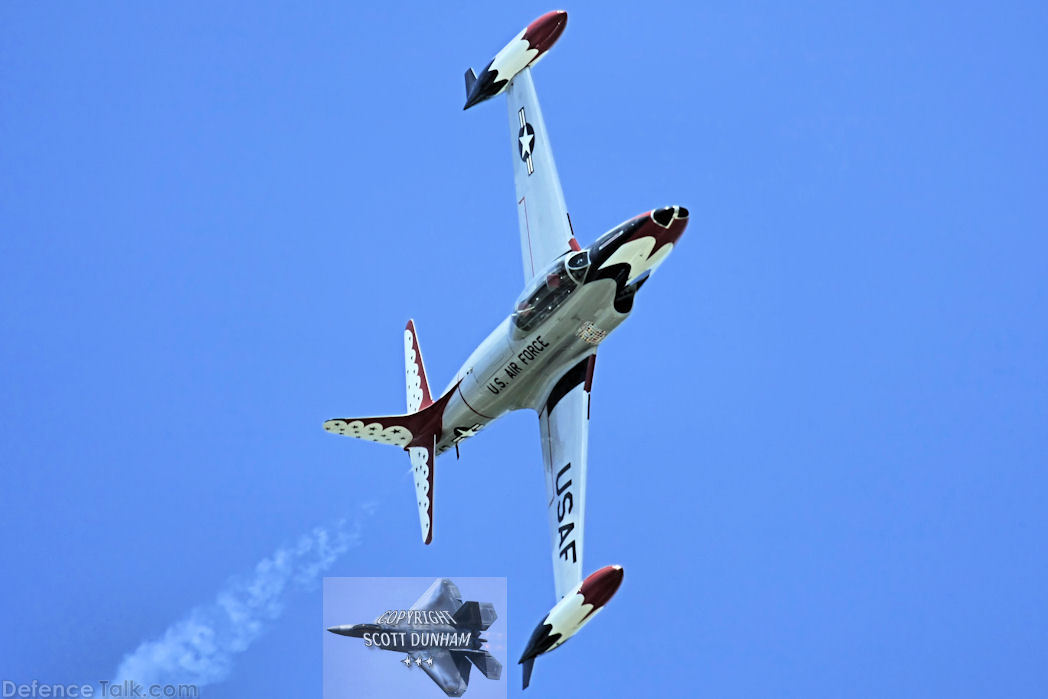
point(542, 356)
point(440, 634)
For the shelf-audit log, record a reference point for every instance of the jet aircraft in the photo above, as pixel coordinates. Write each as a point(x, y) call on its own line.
point(440, 634)
point(542, 356)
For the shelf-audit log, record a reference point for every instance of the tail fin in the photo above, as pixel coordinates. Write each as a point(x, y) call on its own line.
point(476, 615)
point(419, 396)
point(417, 432)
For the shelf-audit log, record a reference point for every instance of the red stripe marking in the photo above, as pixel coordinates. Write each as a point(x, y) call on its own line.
point(531, 255)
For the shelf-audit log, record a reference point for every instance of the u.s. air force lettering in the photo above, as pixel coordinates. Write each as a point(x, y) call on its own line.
point(512, 369)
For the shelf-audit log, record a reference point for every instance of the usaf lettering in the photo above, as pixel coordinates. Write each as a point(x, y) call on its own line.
point(564, 506)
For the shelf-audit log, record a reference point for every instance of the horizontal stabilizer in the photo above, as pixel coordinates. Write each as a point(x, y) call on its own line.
point(398, 430)
point(415, 429)
point(476, 615)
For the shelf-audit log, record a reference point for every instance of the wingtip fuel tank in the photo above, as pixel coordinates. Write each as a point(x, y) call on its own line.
point(525, 49)
point(570, 614)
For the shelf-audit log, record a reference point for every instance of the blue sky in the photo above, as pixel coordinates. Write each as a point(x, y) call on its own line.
point(818, 447)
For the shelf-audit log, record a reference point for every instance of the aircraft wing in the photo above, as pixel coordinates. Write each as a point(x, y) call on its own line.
point(449, 671)
point(545, 229)
point(442, 595)
point(564, 426)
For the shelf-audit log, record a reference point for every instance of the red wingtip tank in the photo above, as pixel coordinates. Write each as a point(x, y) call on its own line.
point(525, 49)
point(570, 614)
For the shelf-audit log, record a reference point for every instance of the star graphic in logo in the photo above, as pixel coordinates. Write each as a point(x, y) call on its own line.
point(407, 661)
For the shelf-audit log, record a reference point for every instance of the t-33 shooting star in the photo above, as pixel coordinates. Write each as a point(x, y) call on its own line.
point(542, 356)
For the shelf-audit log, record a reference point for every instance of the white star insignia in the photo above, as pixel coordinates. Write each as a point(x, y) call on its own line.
point(525, 144)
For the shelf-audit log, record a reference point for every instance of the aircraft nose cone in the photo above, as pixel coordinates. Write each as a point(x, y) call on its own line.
point(341, 630)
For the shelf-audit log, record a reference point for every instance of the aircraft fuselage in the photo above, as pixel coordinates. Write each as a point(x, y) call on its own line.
point(560, 318)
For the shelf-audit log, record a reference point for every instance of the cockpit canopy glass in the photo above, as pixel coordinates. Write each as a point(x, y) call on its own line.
point(549, 289)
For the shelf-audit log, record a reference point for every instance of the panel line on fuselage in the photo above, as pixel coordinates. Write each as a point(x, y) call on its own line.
point(466, 402)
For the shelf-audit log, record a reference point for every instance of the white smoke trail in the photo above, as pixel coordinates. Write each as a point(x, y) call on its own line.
point(200, 648)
